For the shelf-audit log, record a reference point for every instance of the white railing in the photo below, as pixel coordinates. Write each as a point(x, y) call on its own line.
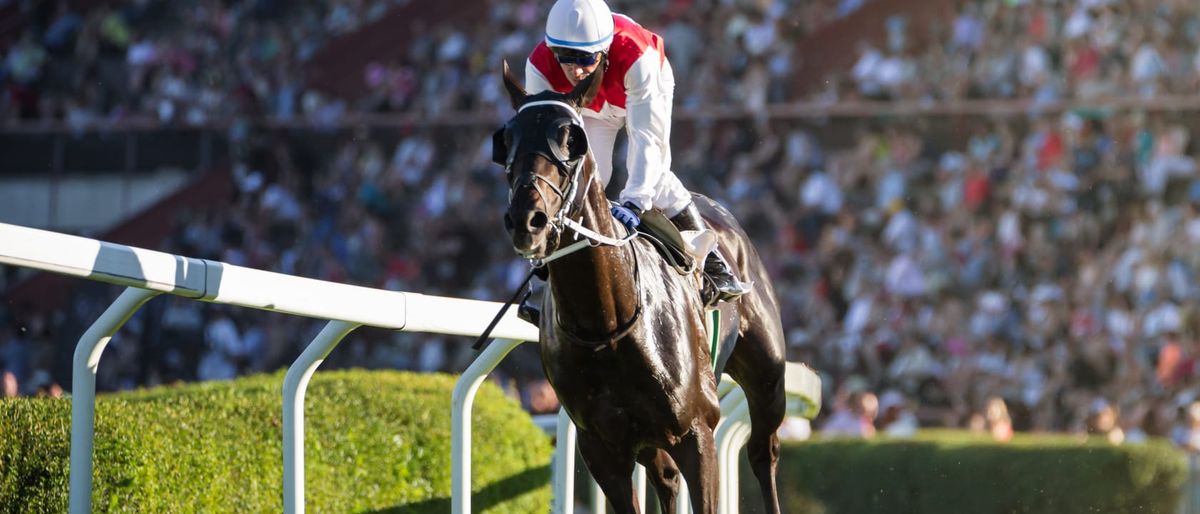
point(147, 273)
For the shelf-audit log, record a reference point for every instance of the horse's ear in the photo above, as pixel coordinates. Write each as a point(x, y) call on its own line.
point(586, 90)
point(516, 93)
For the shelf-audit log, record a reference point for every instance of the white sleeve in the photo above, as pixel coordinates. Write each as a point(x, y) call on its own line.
point(648, 96)
point(535, 82)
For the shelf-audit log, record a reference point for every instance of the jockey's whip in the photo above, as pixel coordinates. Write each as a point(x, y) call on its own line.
point(520, 289)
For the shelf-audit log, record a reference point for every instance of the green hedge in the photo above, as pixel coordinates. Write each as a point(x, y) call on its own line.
point(943, 472)
point(375, 442)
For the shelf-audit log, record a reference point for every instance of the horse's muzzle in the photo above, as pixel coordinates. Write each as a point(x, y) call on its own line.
point(529, 231)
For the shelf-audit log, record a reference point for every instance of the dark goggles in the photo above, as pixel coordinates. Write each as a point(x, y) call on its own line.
point(576, 57)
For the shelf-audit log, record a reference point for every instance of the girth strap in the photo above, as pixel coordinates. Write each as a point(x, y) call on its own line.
point(607, 341)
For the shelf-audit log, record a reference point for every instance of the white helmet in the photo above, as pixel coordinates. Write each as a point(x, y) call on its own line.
point(584, 25)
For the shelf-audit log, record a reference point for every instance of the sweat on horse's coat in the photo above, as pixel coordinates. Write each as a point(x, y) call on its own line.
point(647, 393)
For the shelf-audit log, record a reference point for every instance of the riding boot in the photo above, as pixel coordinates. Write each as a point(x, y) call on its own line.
point(727, 287)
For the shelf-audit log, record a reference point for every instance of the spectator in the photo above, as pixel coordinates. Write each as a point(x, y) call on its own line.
point(994, 420)
point(8, 384)
point(539, 397)
point(1102, 422)
point(853, 417)
point(1186, 434)
point(895, 418)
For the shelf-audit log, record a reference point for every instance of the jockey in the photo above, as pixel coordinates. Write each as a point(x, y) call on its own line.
point(636, 94)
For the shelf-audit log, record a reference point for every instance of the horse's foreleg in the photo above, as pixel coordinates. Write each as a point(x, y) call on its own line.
point(613, 470)
point(696, 456)
point(664, 475)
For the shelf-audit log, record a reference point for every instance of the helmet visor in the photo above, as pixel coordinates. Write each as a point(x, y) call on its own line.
point(576, 57)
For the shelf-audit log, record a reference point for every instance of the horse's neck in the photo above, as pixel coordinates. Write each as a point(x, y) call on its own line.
point(594, 289)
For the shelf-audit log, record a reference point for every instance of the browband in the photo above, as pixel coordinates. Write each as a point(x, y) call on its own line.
point(565, 105)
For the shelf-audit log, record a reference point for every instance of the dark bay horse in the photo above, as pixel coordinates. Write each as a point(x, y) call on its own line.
point(622, 334)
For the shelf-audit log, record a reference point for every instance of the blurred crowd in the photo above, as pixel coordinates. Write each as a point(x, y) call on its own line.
point(199, 61)
point(1041, 50)
point(1050, 268)
point(1052, 271)
point(733, 52)
point(1038, 276)
point(175, 62)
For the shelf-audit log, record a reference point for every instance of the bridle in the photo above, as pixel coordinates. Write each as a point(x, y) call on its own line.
point(569, 164)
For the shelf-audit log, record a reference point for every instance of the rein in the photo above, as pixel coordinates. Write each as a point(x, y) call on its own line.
point(590, 238)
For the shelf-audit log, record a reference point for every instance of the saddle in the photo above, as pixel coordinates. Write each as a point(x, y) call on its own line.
point(662, 234)
point(684, 251)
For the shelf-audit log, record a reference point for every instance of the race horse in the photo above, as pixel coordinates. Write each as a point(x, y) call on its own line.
point(623, 334)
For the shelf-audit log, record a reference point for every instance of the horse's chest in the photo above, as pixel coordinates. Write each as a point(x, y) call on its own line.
point(650, 386)
point(624, 413)
point(614, 393)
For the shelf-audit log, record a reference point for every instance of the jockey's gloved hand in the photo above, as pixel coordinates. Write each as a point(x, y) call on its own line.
point(628, 214)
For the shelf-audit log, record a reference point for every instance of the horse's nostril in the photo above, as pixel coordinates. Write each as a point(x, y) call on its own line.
point(538, 221)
